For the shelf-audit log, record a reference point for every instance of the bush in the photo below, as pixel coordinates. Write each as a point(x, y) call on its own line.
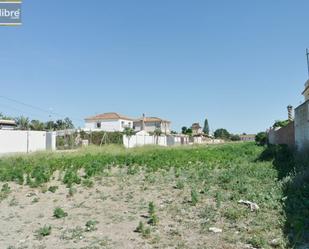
point(261, 138)
point(235, 137)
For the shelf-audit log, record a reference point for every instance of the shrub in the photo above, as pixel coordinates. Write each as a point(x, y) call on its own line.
point(261, 138)
point(71, 176)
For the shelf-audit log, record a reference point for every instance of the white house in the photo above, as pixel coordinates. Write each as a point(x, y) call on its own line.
point(110, 121)
point(7, 124)
point(150, 124)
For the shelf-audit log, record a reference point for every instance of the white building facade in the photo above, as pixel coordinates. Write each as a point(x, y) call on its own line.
point(109, 122)
point(150, 124)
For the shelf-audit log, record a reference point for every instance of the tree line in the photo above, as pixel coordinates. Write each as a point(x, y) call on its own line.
point(24, 123)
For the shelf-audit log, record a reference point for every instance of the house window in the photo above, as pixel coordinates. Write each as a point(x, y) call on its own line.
point(157, 125)
point(122, 124)
point(98, 125)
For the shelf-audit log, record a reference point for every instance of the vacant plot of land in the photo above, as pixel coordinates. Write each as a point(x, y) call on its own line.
point(153, 198)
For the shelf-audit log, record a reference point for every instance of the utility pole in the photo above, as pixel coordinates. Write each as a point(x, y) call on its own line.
point(307, 54)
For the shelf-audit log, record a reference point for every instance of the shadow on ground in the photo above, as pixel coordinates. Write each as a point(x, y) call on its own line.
point(293, 172)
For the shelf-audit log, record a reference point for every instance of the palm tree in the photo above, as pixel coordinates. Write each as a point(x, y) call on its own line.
point(129, 132)
point(22, 123)
point(157, 132)
point(36, 125)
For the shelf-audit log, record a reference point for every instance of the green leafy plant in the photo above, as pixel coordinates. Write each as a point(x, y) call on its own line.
point(43, 231)
point(144, 231)
point(91, 225)
point(5, 191)
point(140, 227)
point(53, 189)
point(180, 184)
point(194, 197)
point(153, 218)
point(59, 213)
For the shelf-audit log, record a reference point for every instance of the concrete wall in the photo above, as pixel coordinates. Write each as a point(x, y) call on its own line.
point(109, 125)
point(284, 135)
point(301, 120)
point(141, 140)
point(12, 141)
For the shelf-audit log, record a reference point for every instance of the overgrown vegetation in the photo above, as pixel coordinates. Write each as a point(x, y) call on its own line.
point(273, 177)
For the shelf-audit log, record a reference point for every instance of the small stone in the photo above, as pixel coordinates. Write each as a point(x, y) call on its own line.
point(275, 242)
point(215, 230)
point(253, 206)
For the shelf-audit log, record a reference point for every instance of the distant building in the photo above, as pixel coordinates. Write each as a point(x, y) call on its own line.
point(196, 129)
point(150, 124)
point(7, 124)
point(110, 122)
point(247, 137)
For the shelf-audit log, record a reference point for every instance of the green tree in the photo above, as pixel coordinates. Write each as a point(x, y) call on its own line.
point(189, 132)
point(129, 132)
point(36, 125)
point(22, 123)
point(2, 116)
point(222, 133)
point(68, 124)
point(235, 137)
point(206, 127)
point(50, 125)
point(60, 125)
point(184, 130)
point(261, 138)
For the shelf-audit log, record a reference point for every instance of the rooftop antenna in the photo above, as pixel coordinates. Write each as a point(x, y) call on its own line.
point(307, 54)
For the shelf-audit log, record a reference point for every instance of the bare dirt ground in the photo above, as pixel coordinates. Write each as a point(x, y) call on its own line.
point(117, 203)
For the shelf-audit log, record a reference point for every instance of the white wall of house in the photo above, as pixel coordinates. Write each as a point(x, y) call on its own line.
point(152, 126)
point(108, 125)
point(12, 141)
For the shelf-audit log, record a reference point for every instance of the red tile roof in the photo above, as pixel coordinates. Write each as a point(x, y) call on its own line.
point(151, 119)
point(108, 116)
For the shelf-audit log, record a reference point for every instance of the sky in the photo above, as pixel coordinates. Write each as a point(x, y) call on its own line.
point(237, 63)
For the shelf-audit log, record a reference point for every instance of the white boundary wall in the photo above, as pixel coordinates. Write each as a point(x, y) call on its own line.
point(140, 140)
point(12, 141)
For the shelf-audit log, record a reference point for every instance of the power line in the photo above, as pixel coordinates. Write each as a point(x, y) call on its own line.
point(19, 110)
point(37, 108)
